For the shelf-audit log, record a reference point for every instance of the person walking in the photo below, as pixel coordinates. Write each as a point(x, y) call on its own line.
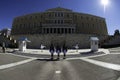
point(64, 50)
point(58, 51)
point(52, 50)
point(3, 47)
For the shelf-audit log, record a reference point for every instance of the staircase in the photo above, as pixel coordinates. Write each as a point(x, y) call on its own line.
point(114, 50)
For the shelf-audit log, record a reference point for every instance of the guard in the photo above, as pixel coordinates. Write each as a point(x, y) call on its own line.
point(52, 50)
point(3, 47)
point(58, 51)
point(64, 50)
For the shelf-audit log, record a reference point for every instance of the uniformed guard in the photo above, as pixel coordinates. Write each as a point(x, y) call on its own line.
point(64, 50)
point(58, 51)
point(52, 50)
point(3, 47)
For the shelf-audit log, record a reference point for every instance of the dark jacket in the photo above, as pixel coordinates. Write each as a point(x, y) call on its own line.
point(64, 49)
point(58, 49)
point(52, 50)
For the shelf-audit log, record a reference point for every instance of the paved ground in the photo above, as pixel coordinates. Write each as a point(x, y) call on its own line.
point(46, 52)
point(61, 55)
point(85, 66)
point(8, 58)
point(115, 50)
point(110, 58)
point(58, 70)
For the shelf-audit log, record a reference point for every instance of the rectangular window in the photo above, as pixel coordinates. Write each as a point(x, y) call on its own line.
point(61, 21)
point(87, 18)
point(61, 14)
point(81, 17)
point(82, 24)
point(35, 17)
point(30, 17)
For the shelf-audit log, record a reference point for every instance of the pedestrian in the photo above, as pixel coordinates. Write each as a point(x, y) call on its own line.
point(58, 51)
point(42, 47)
point(52, 50)
point(3, 47)
point(64, 50)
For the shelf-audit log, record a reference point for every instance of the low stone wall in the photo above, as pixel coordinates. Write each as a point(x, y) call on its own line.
point(115, 40)
point(59, 39)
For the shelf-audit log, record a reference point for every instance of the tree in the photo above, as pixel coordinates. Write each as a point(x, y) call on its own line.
point(116, 32)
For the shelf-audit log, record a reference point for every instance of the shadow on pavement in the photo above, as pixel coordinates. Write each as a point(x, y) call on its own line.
point(91, 53)
point(48, 59)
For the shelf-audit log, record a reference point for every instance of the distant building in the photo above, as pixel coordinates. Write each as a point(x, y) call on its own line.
point(5, 31)
point(59, 26)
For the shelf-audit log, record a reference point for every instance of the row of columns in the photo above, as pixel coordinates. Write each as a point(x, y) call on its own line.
point(58, 30)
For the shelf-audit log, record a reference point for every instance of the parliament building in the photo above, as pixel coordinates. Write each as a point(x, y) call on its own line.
point(59, 26)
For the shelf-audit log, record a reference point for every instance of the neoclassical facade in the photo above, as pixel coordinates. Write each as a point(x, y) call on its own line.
point(59, 21)
point(59, 26)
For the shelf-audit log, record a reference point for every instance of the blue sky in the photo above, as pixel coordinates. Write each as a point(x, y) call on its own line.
point(9, 9)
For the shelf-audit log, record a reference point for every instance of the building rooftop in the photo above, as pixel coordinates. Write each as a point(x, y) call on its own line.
point(59, 9)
